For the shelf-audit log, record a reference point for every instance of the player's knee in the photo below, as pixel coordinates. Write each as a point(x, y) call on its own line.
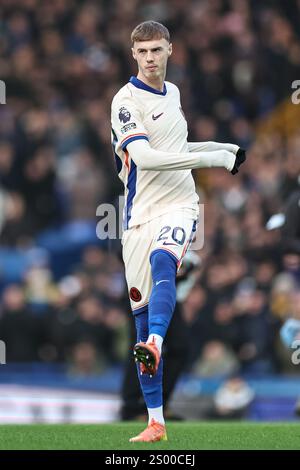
point(163, 263)
point(164, 267)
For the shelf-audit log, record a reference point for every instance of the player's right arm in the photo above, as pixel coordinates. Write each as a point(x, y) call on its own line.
point(147, 158)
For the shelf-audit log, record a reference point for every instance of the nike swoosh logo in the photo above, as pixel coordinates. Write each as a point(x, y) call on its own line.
point(156, 117)
point(164, 280)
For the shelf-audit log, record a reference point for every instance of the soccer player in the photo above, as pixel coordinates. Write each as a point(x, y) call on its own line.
point(154, 161)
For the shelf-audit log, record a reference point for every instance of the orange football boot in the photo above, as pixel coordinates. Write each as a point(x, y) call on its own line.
point(148, 356)
point(154, 432)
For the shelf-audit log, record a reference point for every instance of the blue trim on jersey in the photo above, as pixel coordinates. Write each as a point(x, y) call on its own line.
point(139, 84)
point(117, 158)
point(142, 309)
point(131, 186)
point(131, 139)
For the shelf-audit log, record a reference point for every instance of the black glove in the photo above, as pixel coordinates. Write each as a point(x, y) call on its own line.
point(240, 158)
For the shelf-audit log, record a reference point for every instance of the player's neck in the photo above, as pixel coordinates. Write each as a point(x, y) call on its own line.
point(157, 84)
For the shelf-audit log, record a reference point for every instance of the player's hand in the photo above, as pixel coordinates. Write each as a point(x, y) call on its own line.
point(240, 159)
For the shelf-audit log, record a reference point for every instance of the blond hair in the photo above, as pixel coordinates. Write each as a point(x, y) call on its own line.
point(149, 30)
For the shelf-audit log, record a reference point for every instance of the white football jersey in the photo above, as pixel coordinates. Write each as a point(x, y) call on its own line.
point(141, 112)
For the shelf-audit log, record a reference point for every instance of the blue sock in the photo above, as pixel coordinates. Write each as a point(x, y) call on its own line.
point(163, 296)
point(151, 387)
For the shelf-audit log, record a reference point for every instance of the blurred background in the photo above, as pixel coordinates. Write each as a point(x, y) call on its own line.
point(64, 308)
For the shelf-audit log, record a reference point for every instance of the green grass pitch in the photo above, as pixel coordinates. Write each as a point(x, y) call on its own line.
point(182, 436)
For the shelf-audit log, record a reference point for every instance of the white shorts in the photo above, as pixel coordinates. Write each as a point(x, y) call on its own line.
point(170, 232)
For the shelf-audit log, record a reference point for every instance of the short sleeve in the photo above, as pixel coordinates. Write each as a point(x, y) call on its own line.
point(127, 124)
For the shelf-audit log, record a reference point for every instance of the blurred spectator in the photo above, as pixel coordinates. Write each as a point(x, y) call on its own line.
point(216, 360)
point(84, 360)
point(232, 400)
point(19, 329)
point(40, 290)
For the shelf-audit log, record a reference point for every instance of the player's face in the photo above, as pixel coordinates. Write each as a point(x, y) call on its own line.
point(152, 57)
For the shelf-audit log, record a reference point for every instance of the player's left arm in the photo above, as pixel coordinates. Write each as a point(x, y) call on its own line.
point(211, 146)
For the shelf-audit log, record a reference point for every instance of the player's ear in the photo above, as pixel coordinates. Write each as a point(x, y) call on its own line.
point(170, 50)
point(133, 53)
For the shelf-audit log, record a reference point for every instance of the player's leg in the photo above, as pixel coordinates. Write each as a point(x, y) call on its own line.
point(136, 249)
point(133, 403)
point(174, 236)
point(174, 357)
point(151, 388)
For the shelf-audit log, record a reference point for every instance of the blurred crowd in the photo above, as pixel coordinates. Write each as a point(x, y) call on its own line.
point(80, 320)
point(234, 62)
